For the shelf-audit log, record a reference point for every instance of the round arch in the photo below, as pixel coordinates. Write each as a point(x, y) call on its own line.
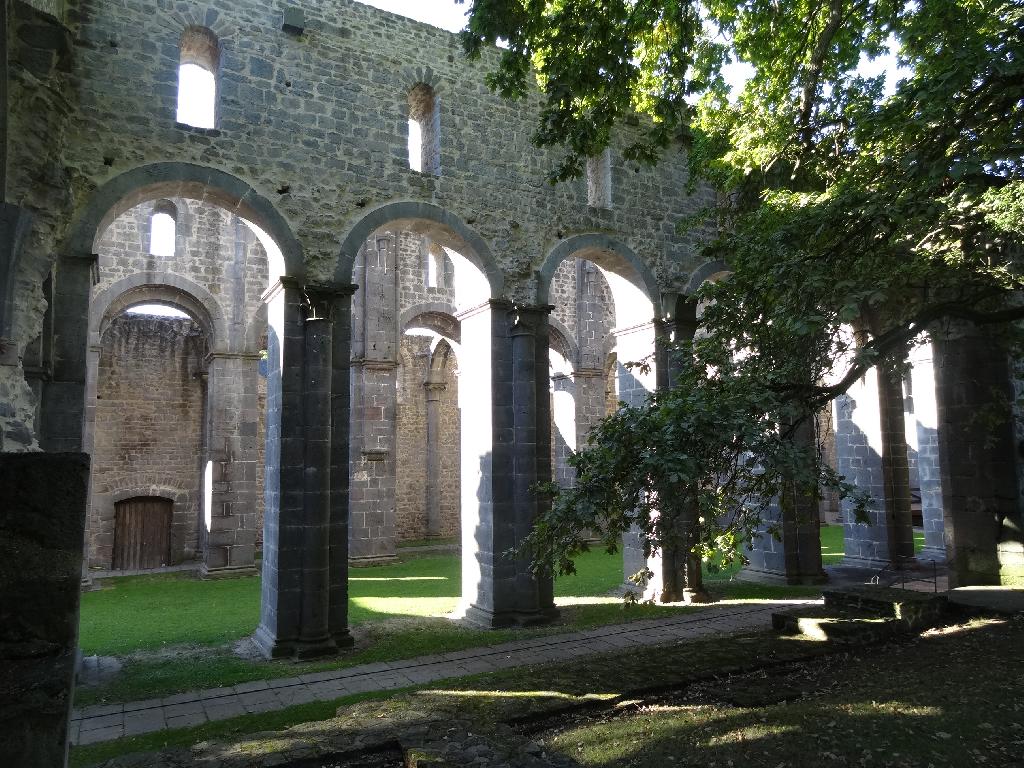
point(705, 272)
point(438, 316)
point(159, 288)
point(566, 343)
point(597, 247)
point(157, 181)
point(424, 218)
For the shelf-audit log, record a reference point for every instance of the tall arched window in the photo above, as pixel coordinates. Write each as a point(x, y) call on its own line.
point(163, 224)
point(424, 130)
point(197, 78)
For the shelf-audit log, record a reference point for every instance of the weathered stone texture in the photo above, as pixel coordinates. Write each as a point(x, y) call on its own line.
point(38, 114)
point(149, 417)
point(41, 528)
point(413, 448)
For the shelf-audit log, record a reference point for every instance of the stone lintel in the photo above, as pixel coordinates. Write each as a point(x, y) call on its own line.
point(588, 373)
point(233, 356)
point(370, 364)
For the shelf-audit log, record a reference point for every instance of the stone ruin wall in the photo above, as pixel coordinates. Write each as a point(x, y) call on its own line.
point(411, 447)
point(149, 417)
point(341, 89)
point(151, 404)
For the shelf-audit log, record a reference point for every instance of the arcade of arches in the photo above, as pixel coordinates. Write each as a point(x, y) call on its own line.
point(363, 351)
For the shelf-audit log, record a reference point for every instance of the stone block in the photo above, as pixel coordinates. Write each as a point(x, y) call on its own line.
point(42, 524)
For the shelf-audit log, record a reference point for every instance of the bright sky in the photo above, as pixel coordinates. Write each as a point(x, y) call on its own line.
point(447, 15)
point(441, 13)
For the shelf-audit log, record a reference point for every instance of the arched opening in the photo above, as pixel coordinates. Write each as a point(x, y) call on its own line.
point(163, 228)
point(147, 417)
point(197, 78)
point(174, 395)
point(601, 299)
point(424, 130)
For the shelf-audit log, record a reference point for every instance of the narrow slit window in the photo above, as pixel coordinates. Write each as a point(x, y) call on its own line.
point(599, 180)
point(163, 225)
point(197, 78)
point(424, 130)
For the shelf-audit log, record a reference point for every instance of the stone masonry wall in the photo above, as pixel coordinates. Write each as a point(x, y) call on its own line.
point(411, 418)
point(317, 124)
point(149, 427)
point(213, 249)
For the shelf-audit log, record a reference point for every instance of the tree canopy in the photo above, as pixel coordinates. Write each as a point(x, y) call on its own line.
point(841, 205)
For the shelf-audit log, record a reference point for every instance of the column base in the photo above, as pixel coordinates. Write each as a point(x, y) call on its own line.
point(905, 564)
point(938, 554)
point(227, 571)
point(488, 619)
point(779, 578)
point(273, 648)
point(315, 649)
point(371, 560)
point(696, 596)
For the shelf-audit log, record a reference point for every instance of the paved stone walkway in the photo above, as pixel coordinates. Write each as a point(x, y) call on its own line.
point(113, 721)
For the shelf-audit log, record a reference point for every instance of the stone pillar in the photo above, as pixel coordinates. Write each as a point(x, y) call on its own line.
point(338, 533)
point(565, 434)
point(924, 422)
point(795, 556)
point(372, 492)
point(977, 455)
point(505, 399)
point(303, 609)
point(433, 457)
point(62, 408)
point(42, 521)
point(314, 638)
point(895, 469)
point(667, 569)
point(862, 443)
point(374, 403)
point(681, 573)
point(230, 465)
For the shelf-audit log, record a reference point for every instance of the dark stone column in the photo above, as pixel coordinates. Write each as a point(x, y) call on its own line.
point(433, 458)
point(62, 408)
point(304, 609)
point(977, 454)
point(341, 315)
point(679, 570)
point(895, 469)
point(507, 449)
point(281, 596)
point(42, 522)
point(314, 637)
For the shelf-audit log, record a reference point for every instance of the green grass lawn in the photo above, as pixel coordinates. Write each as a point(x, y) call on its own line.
point(175, 631)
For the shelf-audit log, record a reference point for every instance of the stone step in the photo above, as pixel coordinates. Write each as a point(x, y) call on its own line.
point(841, 625)
point(917, 610)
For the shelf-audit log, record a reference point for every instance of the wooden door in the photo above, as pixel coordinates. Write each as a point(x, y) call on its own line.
point(142, 533)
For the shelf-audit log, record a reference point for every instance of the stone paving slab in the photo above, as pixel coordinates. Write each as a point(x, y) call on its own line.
point(106, 722)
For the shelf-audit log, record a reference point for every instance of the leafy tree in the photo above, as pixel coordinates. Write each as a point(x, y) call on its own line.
point(841, 207)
